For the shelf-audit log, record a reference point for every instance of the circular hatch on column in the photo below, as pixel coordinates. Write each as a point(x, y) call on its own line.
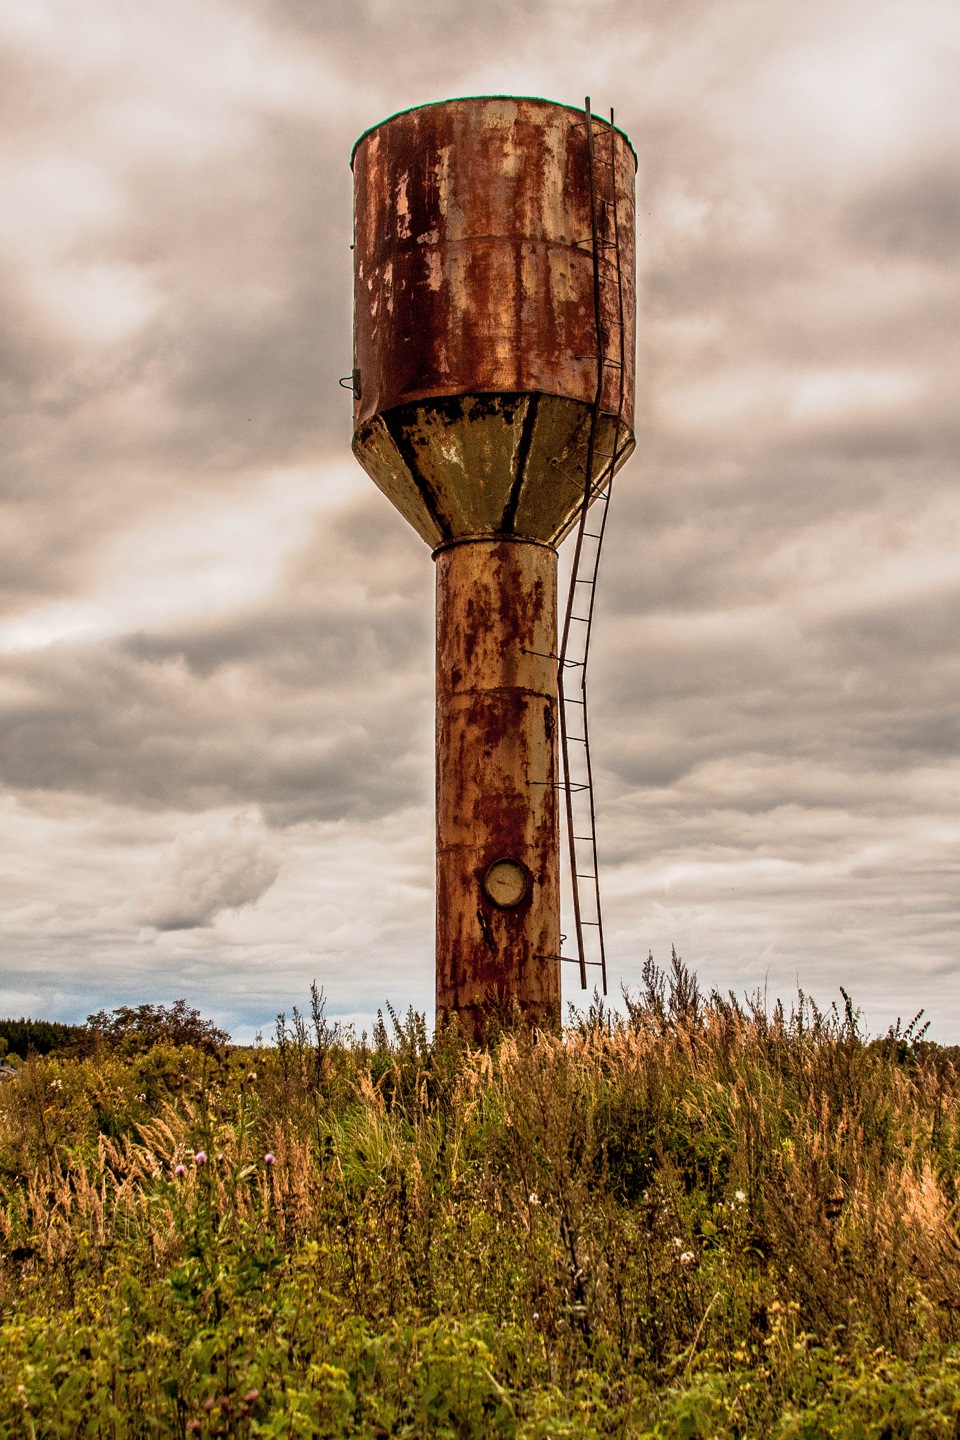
point(506, 883)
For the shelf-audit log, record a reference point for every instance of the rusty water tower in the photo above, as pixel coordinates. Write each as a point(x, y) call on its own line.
point(494, 333)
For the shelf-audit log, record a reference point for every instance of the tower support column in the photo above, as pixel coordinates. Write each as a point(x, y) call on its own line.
point(498, 842)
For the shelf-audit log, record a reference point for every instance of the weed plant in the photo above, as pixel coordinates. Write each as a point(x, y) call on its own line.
point(697, 1219)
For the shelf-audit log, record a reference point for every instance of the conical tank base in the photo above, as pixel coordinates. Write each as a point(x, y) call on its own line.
point(488, 464)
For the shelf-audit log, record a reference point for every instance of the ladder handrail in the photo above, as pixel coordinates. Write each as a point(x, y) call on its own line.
point(592, 490)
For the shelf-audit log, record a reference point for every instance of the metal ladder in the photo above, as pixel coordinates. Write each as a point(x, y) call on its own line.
point(577, 782)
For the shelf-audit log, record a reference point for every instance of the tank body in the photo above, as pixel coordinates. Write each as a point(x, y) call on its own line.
point(475, 379)
point(475, 347)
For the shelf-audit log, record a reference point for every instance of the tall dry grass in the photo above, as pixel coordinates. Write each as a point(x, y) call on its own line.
point(694, 1219)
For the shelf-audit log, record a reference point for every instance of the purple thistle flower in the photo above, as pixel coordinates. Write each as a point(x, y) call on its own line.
point(201, 1157)
point(179, 1169)
point(269, 1159)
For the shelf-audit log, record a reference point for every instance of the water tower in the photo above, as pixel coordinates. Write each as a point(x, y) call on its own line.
point(494, 322)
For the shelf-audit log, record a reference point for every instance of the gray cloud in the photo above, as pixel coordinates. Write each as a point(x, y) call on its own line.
point(208, 872)
point(913, 215)
point(156, 730)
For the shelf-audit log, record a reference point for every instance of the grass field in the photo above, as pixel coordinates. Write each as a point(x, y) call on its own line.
point(700, 1220)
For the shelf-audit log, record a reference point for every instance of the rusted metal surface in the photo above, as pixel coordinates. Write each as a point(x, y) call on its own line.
point(484, 311)
point(497, 780)
point(486, 464)
point(475, 339)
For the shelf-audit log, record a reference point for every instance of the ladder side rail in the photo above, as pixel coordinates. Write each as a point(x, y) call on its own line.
point(608, 493)
point(618, 416)
point(622, 316)
point(601, 527)
point(592, 831)
point(585, 505)
point(598, 396)
point(568, 805)
point(593, 849)
point(604, 497)
point(591, 490)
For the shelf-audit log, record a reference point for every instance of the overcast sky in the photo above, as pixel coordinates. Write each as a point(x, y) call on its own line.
point(216, 689)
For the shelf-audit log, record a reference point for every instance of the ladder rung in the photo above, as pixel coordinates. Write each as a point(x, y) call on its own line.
point(570, 959)
point(569, 700)
point(579, 739)
point(582, 876)
point(595, 924)
point(584, 620)
point(588, 838)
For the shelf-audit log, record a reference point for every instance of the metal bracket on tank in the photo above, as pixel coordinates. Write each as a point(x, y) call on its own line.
point(581, 816)
point(559, 785)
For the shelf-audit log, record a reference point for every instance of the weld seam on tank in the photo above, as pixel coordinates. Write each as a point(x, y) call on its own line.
point(531, 691)
point(491, 537)
point(508, 520)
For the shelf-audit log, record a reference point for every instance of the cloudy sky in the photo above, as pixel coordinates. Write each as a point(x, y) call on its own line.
point(216, 636)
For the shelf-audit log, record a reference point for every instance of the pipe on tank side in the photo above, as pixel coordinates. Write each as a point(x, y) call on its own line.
point(498, 841)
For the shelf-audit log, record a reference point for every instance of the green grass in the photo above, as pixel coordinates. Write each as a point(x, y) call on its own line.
point(697, 1221)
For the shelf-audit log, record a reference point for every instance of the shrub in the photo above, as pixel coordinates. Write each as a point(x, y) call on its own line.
point(140, 1028)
